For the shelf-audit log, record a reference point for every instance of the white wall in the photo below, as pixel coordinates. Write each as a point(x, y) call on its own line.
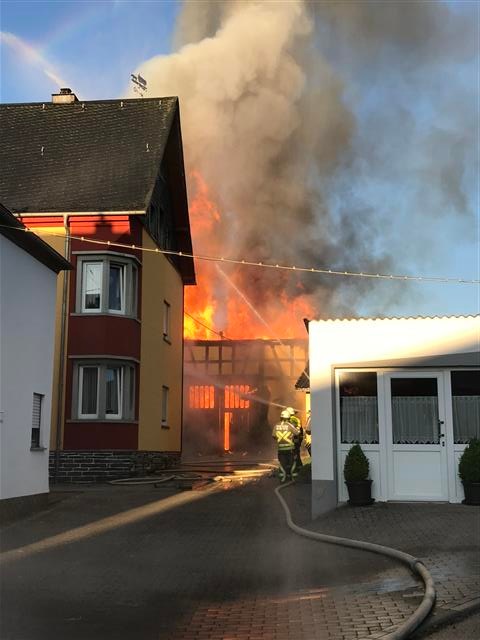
point(334, 343)
point(27, 324)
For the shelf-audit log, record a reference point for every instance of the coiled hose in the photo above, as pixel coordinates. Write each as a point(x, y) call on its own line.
point(415, 565)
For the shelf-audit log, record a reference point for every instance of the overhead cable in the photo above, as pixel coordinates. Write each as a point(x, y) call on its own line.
point(265, 265)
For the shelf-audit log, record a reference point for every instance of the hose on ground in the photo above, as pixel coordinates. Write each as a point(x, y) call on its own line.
point(415, 565)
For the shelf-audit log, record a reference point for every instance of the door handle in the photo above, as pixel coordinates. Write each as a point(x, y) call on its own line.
point(440, 423)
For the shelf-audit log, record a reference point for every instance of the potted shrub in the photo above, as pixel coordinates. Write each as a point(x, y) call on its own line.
point(356, 471)
point(469, 472)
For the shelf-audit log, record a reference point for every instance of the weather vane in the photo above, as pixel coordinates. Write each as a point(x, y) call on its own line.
point(139, 84)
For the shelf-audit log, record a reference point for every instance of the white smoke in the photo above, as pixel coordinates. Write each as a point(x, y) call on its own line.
point(265, 119)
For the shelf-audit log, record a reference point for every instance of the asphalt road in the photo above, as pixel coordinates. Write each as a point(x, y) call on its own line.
point(112, 563)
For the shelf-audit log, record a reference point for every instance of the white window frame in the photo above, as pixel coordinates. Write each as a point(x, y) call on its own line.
point(86, 416)
point(85, 265)
point(165, 405)
point(129, 274)
point(120, 392)
point(125, 389)
point(123, 279)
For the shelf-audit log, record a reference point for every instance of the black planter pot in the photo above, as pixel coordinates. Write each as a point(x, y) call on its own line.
point(472, 492)
point(360, 492)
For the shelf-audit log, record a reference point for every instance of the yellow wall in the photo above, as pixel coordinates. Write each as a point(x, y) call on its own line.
point(161, 363)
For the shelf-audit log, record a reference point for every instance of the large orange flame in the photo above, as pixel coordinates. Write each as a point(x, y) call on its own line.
point(215, 307)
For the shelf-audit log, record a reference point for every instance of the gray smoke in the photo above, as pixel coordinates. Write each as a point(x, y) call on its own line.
point(268, 95)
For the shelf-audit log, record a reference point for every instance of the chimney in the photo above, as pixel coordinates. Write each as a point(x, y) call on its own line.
point(64, 97)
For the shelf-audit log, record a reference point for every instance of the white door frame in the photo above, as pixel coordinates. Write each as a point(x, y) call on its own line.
point(442, 449)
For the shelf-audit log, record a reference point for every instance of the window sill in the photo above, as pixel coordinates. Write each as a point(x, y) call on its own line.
point(38, 448)
point(101, 421)
point(104, 314)
point(165, 426)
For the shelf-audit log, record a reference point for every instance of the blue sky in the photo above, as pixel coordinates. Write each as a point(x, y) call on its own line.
point(94, 46)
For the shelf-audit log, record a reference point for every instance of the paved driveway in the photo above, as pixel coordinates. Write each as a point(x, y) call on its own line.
point(145, 563)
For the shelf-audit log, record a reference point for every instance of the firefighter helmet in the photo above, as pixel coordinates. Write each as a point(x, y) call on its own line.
point(291, 411)
point(285, 415)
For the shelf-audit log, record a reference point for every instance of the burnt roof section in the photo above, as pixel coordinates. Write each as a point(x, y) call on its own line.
point(83, 156)
point(94, 156)
point(13, 229)
point(303, 381)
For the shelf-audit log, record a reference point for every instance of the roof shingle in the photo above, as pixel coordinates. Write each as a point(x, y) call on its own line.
point(84, 156)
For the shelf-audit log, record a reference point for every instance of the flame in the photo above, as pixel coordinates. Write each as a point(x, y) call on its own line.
point(213, 308)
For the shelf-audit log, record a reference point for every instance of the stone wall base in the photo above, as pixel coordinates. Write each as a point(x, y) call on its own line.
point(13, 508)
point(101, 466)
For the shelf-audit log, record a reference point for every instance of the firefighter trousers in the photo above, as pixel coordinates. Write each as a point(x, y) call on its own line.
point(286, 458)
point(298, 458)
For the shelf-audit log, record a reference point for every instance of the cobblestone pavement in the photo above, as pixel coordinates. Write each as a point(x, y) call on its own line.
point(123, 562)
point(446, 537)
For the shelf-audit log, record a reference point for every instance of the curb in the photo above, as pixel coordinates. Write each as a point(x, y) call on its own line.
point(437, 621)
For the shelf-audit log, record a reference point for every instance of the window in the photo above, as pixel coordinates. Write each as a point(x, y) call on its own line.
point(414, 411)
point(92, 286)
point(107, 284)
point(116, 288)
point(465, 405)
point(166, 320)
point(358, 407)
point(36, 420)
point(88, 392)
point(104, 391)
point(165, 391)
point(201, 397)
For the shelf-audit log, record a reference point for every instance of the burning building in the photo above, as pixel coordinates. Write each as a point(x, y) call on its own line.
point(234, 391)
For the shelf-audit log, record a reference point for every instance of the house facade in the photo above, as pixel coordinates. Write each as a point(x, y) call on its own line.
point(103, 182)
point(28, 283)
point(406, 389)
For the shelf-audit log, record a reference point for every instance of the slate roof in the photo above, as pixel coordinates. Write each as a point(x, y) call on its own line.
point(12, 229)
point(303, 381)
point(85, 156)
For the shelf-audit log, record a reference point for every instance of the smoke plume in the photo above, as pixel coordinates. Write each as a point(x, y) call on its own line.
point(295, 113)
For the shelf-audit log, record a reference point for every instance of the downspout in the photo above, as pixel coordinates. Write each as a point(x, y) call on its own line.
point(61, 370)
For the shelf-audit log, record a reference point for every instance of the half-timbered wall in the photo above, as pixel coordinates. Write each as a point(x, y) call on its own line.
point(235, 390)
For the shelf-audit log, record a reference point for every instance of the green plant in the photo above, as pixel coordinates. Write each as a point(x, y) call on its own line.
point(469, 466)
point(356, 465)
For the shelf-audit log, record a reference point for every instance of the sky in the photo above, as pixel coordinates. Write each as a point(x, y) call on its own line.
point(93, 47)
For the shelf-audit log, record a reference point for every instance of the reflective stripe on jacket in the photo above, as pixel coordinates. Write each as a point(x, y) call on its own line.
point(284, 433)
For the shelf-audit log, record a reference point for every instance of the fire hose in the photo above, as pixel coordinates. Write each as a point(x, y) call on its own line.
point(416, 566)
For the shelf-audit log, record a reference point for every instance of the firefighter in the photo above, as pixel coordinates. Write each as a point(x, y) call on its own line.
point(308, 433)
point(284, 432)
point(298, 440)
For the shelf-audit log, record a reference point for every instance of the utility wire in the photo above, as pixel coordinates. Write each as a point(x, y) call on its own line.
point(265, 265)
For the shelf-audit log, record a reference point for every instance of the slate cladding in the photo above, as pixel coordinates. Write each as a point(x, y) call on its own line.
point(86, 156)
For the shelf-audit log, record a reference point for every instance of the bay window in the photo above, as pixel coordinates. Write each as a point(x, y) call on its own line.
point(106, 284)
point(104, 391)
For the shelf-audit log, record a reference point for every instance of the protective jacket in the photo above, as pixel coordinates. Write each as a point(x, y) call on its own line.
point(285, 434)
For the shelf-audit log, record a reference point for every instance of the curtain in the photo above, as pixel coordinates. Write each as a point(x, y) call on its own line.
point(466, 418)
point(415, 420)
point(89, 390)
point(115, 288)
point(359, 419)
point(113, 391)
